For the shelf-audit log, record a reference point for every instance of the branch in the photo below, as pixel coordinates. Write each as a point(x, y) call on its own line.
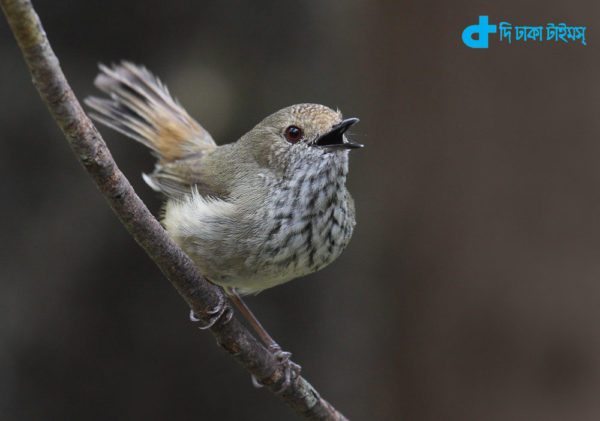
point(92, 152)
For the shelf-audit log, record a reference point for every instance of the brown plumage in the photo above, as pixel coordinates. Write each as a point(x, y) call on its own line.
point(253, 213)
point(141, 107)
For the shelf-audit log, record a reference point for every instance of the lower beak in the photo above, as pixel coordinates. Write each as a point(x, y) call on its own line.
point(335, 138)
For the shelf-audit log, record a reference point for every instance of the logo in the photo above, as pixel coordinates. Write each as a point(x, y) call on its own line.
point(478, 36)
point(482, 30)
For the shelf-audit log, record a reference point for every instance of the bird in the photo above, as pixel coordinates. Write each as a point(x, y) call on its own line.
point(267, 208)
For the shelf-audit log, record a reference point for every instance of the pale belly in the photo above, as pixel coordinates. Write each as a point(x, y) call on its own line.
point(253, 254)
point(296, 247)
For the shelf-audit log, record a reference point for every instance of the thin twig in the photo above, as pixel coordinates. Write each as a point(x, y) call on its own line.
point(92, 152)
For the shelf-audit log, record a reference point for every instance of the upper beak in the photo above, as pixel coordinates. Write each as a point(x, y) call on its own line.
point(335, 137)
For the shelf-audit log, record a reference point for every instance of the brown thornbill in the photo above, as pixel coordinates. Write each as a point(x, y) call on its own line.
point(251, 214)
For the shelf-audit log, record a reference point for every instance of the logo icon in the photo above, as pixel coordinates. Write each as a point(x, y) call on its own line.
point(482, 30)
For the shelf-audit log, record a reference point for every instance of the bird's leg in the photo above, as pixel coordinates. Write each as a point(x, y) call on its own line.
point(251, 318)
point(291, 368)
point(222, 309)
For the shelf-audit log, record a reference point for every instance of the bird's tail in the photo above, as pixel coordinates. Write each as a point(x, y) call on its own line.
point(141, 107)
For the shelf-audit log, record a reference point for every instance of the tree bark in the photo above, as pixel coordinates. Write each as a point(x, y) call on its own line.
point(92, 152)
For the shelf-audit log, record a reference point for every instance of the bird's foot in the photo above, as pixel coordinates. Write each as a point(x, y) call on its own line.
point(221, 311)
point(290, 368)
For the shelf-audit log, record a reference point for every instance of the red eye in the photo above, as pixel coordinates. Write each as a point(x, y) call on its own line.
point(293, 134)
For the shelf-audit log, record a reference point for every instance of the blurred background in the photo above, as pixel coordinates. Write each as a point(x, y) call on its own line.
point(471, 288)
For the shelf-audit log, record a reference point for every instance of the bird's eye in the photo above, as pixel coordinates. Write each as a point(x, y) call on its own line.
point(293, 134)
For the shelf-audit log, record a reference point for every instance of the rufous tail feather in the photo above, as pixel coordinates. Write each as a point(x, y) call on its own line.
point(141, 107)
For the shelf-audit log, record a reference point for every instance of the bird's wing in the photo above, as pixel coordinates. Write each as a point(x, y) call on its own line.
point(141, 107)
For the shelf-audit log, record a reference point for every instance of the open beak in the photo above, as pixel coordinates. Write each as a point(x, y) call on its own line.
point(334, 139)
